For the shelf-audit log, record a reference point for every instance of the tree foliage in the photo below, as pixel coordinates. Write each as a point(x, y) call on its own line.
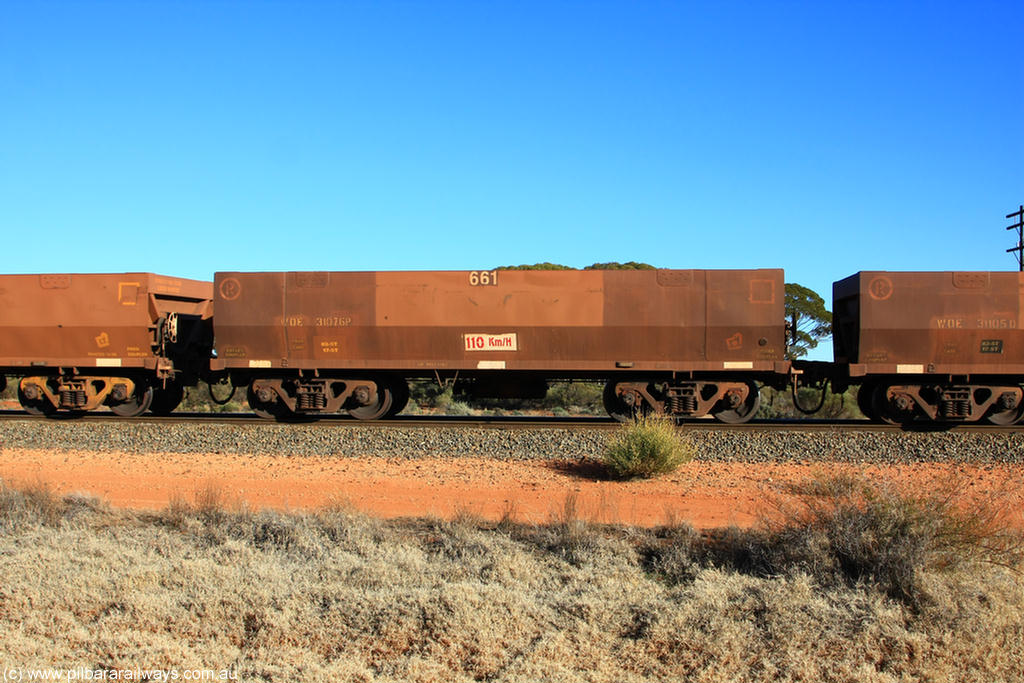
point(807, 320)
point(611, 265)
point(537, 266)
point(614, 265)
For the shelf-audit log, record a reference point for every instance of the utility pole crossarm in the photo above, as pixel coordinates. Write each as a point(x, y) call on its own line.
point(1019, 227)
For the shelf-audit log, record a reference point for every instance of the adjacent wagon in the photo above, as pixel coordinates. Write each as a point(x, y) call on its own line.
point(130, 341)
point(941, 346)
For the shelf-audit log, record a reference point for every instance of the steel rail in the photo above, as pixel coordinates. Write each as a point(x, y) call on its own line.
point(514, 422)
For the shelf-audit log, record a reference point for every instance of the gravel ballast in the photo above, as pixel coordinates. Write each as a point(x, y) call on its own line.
point(349, 441)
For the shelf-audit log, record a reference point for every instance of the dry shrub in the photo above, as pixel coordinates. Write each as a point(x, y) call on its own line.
point(575, 539)
point(345, 527)
point(846, 531)
point(178, 511)
point(273, 530)
point(42, 503)
point(646, 447)
point(860, 531)
point(675, 554)
point(211, 503)
point(570, 535)
point(36, 503)
point(509, 514)
point(215, 520)
point(82, 506)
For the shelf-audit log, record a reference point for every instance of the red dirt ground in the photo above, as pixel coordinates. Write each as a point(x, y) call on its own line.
point(704, 494)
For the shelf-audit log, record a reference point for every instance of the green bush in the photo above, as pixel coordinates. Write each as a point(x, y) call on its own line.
point(572, 397)
point(576, 397)
point(457, 409)
point(428, 394)
point(778, 404)
point(197, 400)
point(645, 448)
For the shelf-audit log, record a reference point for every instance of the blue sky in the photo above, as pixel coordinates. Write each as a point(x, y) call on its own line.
point(824, 138)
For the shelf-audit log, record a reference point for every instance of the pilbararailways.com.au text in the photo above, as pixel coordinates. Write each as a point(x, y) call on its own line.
point(18, 675)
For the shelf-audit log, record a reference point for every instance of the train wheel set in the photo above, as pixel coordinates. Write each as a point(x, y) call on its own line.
point(904, 403)
point(926, 347)
point(727, 401)
point(362, 398)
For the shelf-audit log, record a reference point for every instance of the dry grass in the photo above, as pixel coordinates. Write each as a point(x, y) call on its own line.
point(338, 596)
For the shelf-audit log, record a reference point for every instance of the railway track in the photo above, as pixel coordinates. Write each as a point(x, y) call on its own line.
point(515, 422)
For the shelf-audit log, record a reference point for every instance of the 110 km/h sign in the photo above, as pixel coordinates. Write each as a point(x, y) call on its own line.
point(491, 342)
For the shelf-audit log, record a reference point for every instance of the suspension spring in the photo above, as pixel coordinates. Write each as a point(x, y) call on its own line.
point(311, 398)
point(72, 398)
point(956, 403)
point(956, 408)
point(685, 403)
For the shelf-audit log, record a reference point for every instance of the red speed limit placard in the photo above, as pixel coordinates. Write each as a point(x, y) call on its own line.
point(491, 342)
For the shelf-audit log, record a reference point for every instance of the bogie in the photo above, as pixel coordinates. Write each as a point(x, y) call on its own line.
point(305, 398)
point(947, 403)
point(728, 401)
point(73, 395)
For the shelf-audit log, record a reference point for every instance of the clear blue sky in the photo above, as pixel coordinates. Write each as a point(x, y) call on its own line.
point(825, 138)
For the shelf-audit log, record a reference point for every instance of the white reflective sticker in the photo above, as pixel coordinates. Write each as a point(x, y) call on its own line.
point(108, 362)
point(738, 365)
point(490, 365)
point(491, 342)
point(259, 364)
point(909, 369)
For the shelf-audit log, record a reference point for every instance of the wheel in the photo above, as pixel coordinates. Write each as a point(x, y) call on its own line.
point(865, 400)
point(883, 410)
point(35, 406)
point(166, 399)
point(137, 403)
point(272, 410)
point(399, 396)
point(378, 408)
point(744, 411)
point(615, 406)
point(1004, 418)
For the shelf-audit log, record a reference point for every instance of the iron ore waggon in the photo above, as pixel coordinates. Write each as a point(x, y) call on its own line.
point(130, 341)
point(682, 342)
point(936, 346)
point(921, 346)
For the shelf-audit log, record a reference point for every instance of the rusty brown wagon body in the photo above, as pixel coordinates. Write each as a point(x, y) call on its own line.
point(681, 341)
point(127, 340)
point(941, 346)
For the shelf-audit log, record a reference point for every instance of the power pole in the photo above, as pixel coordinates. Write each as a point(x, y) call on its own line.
point(1019, 227)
